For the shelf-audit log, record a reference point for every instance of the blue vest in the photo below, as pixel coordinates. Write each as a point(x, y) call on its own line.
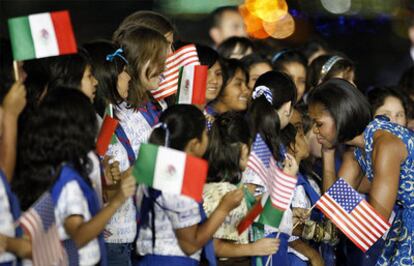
point(147, 206)
point(67, 175)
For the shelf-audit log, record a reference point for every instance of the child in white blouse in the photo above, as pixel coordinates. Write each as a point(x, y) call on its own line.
point(170, 230)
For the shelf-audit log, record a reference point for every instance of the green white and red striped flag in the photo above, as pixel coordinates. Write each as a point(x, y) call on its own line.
point(273, 205)
point(170, 171)
point(192, 85)
point(262, 212)
point(42, 35)
point(107, 132)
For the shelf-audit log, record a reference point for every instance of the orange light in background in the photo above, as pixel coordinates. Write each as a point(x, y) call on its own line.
point(280, 29)
point(254, 25)
point(270, 10)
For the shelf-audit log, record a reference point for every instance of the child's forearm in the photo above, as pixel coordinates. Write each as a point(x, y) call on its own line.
point(228, 249)
point(8, 145)
point(87, 231)
point(19, 246)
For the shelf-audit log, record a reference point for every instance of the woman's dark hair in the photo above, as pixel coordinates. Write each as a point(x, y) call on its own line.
point(67, 71)
point(281, 58)
point(347, 106)
point(106, 73)
point(315, 76)
point(228, 132)
point(148, 19)
point(229, 68)
point(207, 55)
point(227, 47)
point(142, 45)
point(252, 59)
point(184, 122)
point(62, 130)
point(377, 96)
point(263, 117)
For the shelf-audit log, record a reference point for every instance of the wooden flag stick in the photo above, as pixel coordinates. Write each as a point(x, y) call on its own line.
point(16, 70)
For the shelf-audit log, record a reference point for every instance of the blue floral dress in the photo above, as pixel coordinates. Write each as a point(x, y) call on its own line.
point(399, 245)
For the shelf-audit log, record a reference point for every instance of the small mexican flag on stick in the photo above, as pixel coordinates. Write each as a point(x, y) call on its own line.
point(273, 205)
point(107, 132)
point(170, 171)
point(42, 35)
point(192, 85)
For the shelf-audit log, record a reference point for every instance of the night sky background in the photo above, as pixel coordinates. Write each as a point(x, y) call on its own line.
point(374, 38)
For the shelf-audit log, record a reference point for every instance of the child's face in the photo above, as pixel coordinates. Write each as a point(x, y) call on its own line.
point(394, 110)
point(214, 82)
point(256, 71)
point(301, 143)
point(298, 74)
point(236, 94)
point(123, 81)
point(88, 83)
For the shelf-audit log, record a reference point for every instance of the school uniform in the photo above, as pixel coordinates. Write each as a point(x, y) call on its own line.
point(72, 195)
point(135, 127)
point(161, 215)
point(212, 196)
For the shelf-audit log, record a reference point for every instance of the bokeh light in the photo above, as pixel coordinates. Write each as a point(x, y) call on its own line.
point(336, 6)
point(267, 10)
point(280, 29)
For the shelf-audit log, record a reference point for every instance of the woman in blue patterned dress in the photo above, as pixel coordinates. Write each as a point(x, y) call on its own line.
point(384, 152)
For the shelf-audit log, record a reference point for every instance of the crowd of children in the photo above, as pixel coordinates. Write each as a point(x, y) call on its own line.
point(303, 104)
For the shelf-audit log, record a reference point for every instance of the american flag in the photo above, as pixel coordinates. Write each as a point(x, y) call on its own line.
point(281, 186)
point(185, 56)
point(39, 223)
point(352, 215)
point(259, 158)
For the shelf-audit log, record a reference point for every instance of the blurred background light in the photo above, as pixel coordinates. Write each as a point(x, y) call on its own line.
point(337, 6)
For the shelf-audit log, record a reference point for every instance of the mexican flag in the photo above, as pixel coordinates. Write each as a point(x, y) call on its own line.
point(192, 85)
point(185, 56)
point(262, 212)
point(170, 171)
point(107, 132)
point(42, 35)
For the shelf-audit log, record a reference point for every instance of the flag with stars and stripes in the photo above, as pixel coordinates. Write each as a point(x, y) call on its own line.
point(281, 186)
point(275, 202)
point(353, 215)
point(39, 223)
point(185, 56)
point(259, 158)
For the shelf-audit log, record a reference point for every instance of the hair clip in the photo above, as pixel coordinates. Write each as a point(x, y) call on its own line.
point(167, 132)
point(329, 64)
point(118, 53)
point(263, 90)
